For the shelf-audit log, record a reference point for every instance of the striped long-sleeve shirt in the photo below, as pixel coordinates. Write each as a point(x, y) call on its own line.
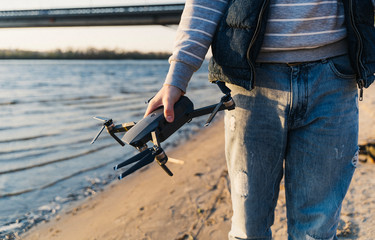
point(194, 36)
point(304, 30)
point(297, 30)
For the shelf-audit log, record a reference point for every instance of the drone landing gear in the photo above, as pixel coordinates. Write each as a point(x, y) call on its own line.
point(146, 157)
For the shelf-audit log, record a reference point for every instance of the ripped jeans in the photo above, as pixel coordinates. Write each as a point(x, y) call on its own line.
point(300, 121)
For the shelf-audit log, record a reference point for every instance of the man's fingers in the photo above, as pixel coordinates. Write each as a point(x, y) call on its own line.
point(168, 111)
point(167, 96)
point(148, 111)
point(150, 108)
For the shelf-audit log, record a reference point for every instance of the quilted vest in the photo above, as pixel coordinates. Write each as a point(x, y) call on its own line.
point(239, 36)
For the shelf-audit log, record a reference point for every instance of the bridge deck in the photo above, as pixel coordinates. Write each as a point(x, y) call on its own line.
point(96, 16)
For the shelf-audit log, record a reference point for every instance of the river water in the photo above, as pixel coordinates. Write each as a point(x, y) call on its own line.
point(46, 126)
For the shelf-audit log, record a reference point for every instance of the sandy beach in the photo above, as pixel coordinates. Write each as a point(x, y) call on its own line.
point(195, 203)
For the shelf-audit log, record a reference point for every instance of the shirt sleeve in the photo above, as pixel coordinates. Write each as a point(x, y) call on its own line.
point(193, 38)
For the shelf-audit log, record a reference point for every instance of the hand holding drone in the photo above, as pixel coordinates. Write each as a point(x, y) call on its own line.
point(156, 129)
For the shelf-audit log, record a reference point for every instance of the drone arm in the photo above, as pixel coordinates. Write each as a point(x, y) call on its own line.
point(226, 102)
point(205, 110)
point(119, 128)
point(139, 157)
point(117, 139)
point(166, 169)
point(122, 127)
point(143, 162)
point(160, 156)
point(112, 129)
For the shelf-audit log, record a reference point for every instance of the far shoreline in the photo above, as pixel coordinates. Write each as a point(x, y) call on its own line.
point(86, 54)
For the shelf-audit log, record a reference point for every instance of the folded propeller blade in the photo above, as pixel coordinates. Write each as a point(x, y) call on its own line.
point(213, 114)
point(103, 119)
point(97, 135)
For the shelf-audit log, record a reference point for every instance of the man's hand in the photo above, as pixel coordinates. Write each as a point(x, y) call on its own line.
point(167, 96)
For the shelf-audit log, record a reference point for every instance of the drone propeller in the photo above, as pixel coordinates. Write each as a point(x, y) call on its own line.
point(97, 135)
point(103, 119)
point(213, 114)
point(107, 123)
point(225, 102)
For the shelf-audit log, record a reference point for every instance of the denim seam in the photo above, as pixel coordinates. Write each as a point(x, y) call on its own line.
point(281, 159)
point(288, 116)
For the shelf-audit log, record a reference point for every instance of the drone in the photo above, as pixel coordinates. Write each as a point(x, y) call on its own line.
point(155, 129)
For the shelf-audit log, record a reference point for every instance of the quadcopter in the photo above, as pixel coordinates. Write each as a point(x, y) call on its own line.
point(155, 129)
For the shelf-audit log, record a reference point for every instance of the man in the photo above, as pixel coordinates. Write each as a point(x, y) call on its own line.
point(294, 67)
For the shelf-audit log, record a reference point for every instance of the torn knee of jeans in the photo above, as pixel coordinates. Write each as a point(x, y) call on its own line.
point(355, 159)
point(309, 237)
point(240, 183)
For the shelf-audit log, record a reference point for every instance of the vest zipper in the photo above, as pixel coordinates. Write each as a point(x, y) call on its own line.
point(256, 33)
point(360, 81)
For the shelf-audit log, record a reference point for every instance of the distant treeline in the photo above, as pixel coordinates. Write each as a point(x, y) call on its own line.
point(90, 53)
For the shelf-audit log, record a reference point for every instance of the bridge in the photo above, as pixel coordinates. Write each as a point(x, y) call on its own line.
point(167, 14)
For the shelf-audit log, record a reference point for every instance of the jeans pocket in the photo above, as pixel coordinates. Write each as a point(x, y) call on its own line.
point(341, 67)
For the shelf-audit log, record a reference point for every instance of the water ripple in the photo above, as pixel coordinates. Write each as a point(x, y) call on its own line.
point(54, 161)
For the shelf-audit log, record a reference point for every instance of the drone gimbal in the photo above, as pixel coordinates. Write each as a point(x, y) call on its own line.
point(156, 129)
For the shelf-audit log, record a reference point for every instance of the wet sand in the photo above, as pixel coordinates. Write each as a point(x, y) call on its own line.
point(195, 203)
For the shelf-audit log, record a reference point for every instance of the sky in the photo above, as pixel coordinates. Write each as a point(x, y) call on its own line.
point(128, 38)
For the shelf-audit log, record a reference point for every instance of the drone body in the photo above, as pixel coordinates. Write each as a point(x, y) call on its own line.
point(140, 133)
point(156, 129)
